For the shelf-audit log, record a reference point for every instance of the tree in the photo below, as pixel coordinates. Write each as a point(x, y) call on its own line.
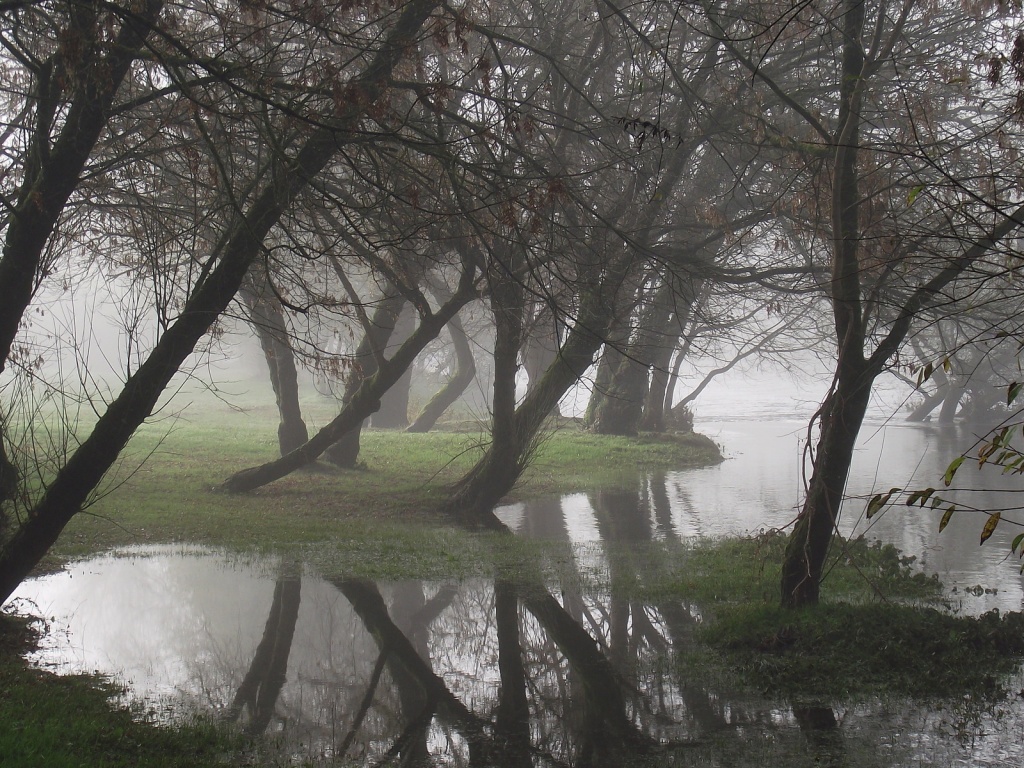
point(902, 180)
point(75, 85)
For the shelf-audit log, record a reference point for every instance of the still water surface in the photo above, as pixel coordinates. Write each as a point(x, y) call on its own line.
point(464, 672)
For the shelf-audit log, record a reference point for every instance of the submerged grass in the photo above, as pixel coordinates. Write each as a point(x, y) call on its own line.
point(880, 630)
point(837, 650)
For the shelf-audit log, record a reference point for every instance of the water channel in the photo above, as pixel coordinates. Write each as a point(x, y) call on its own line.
point(495, 672)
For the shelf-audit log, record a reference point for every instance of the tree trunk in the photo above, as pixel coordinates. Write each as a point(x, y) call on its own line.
point(364, 401)
point(268, 321)
point(809, 542)
point(465, 372)
point(620, 410)
point(55, 163)
point(345, 452)
point(844, 408)
point(475, 495)
point(611, 358)
point(394, 406)
point(653, 417)
point(540, 345)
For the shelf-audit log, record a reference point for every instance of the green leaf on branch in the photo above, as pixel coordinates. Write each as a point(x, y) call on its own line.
point(920, 496)
point(1016, 544)
point(1012, 391)
point(946, 517)
point(878, 501)
point(990, 526)
point(951, 470)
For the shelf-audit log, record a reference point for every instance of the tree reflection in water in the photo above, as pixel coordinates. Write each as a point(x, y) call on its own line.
point(515, 672)
point(506, 674)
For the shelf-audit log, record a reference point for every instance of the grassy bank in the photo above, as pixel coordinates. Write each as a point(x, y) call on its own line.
point(164, 490)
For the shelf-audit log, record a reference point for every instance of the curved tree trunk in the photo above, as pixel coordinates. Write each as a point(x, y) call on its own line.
point(363, 402)
point(268, 321)
point(843, 410)
point(345, 452)
point(465, 372)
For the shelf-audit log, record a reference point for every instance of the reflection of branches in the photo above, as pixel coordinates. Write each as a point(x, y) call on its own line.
point(368, 603)
point(262, 684)
point(364, 705)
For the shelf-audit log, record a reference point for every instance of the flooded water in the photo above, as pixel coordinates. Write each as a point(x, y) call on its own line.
point(524, 673)
point(471, 673)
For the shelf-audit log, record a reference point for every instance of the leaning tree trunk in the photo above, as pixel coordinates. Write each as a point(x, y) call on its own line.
point(841, 418)
point(394, 406)
point(364, 401)
point(465, 372)
point(476, 494)
point(231, 260)
point(345, 452)
point(268, 320)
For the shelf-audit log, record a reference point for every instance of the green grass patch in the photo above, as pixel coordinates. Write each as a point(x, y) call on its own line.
point(878, 632)
point(837, 650)
point(164, 491)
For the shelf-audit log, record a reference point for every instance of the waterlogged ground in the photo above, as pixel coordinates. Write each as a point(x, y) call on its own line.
point(585, 653)
point(482, 671)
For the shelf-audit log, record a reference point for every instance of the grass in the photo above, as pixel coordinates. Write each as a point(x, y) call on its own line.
point(164, 491)
point(838, 650)
point(878, 632)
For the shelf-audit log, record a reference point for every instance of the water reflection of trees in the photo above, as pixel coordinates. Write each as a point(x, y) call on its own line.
point(518, 672)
